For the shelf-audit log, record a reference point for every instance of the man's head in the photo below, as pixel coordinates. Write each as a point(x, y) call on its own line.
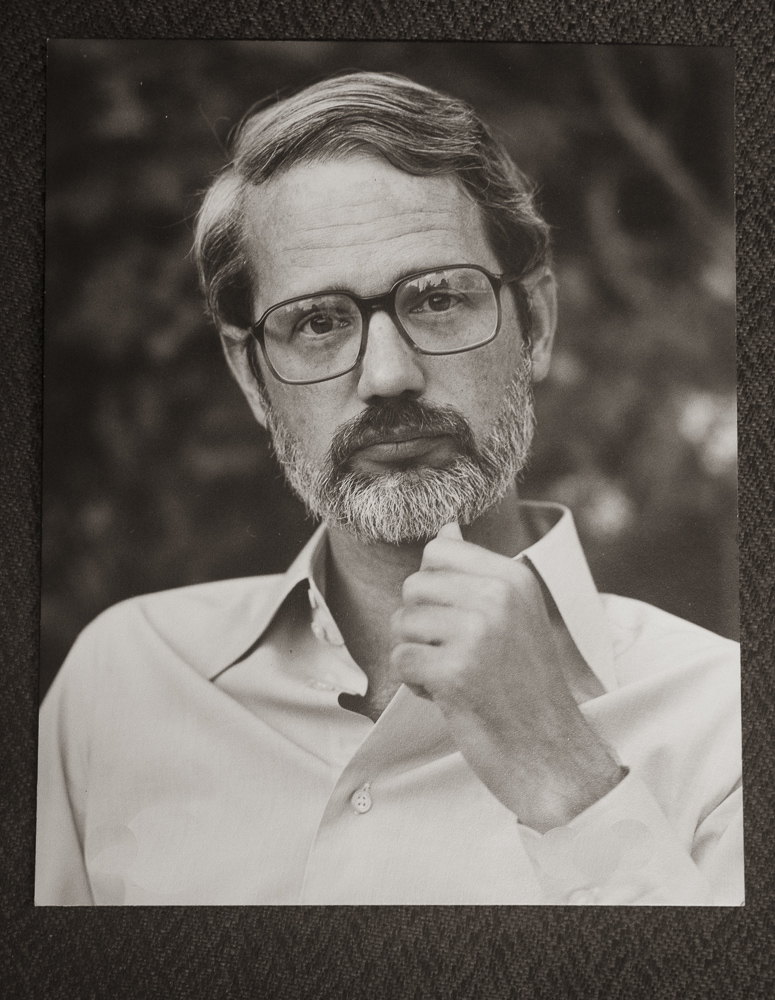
point(348, 187)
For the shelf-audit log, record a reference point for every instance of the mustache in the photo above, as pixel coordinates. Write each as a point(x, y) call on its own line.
point(400, 415)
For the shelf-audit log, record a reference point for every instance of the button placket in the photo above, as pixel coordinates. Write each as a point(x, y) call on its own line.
point(318, 631)
point(323, 626)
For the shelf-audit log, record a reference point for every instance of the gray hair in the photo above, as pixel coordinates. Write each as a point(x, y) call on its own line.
point(416, 129)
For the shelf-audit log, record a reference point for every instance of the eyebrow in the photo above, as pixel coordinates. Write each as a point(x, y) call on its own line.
point(340, 287)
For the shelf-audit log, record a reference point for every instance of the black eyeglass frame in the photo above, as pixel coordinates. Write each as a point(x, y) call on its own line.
point(387, 303)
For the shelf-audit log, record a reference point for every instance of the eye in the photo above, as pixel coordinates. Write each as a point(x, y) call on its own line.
point(317, 324)
point(437, 300)
point(321, 323)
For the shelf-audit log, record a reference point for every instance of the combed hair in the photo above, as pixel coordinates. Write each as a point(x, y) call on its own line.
point(416, 129)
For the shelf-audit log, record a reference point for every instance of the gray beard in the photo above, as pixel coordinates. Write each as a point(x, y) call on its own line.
point(413, 504)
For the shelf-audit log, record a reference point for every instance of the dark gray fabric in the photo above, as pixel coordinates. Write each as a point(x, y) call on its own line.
point(476, 953)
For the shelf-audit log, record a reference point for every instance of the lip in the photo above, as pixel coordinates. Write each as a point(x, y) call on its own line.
point(395, 436)
point(401, 446)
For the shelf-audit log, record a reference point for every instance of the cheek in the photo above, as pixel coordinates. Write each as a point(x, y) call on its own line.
point(503, 361)
point(478, 380)
point(310, 413)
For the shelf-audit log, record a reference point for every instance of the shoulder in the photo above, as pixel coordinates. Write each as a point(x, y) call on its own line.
point(198, 626)
point(196, 609)
point(648, 642)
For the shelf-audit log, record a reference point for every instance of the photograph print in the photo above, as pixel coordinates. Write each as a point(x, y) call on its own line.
point(389, 476)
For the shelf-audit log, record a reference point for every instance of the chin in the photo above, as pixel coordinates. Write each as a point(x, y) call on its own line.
point(411, 506)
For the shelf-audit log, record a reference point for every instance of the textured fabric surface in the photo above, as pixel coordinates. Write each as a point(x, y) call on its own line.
point(380, 953)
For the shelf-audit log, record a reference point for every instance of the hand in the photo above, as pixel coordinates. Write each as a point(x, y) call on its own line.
point(475, 636)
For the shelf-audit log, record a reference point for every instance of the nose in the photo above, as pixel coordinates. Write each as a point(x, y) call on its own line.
point(389, 367)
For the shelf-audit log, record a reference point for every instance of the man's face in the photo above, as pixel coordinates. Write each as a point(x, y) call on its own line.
point(399, 418)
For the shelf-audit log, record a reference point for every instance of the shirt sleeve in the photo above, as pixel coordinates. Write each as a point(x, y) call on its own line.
point(622, 851)
point(60, 870)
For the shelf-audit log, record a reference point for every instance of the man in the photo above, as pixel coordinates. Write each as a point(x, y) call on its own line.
point(434, 704)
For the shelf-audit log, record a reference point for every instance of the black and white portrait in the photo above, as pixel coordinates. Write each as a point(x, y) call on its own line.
point(389, 513)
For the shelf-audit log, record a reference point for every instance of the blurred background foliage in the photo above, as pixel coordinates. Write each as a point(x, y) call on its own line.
point(155, 474)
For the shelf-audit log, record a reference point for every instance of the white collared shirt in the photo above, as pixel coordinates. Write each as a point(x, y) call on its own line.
point(193, 750)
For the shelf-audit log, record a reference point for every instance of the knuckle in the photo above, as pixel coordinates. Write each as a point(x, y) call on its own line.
point(412, 586)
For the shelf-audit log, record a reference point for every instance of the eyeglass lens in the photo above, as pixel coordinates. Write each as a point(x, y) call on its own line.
point(441, 311)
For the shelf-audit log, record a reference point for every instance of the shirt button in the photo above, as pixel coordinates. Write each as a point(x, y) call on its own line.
point(361, 800)
point(318, 631)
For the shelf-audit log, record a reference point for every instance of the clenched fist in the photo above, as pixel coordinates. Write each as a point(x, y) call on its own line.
point(474, 635)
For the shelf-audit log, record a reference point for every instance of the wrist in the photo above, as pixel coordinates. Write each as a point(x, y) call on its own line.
point(567, 787)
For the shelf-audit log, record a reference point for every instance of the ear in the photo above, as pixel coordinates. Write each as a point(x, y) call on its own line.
point(237, 345)
point(541, 288)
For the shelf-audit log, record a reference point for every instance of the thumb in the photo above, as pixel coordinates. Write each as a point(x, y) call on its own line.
point(451, 530)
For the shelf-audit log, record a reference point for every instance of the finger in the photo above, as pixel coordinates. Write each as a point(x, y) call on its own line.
point(451, 530)
point(465, 557)
point(455, 590)
point(420, 692)
point(440, 551)
point(424, 623)
point(417, 665)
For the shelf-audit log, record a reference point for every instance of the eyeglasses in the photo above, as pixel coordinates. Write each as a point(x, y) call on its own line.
point(321, 336)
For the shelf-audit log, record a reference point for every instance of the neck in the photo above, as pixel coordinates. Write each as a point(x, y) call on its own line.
point(364, 581)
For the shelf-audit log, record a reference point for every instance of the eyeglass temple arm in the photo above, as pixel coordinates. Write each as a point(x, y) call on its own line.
point(524, 304)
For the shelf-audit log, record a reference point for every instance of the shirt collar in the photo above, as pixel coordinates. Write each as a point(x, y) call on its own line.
point(559, 560)
point(557, 557)
point(247, 632)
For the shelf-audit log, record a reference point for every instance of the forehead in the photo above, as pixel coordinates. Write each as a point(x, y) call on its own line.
point(357, 223)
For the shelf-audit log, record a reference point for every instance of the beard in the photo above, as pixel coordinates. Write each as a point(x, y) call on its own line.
point(411, 504)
